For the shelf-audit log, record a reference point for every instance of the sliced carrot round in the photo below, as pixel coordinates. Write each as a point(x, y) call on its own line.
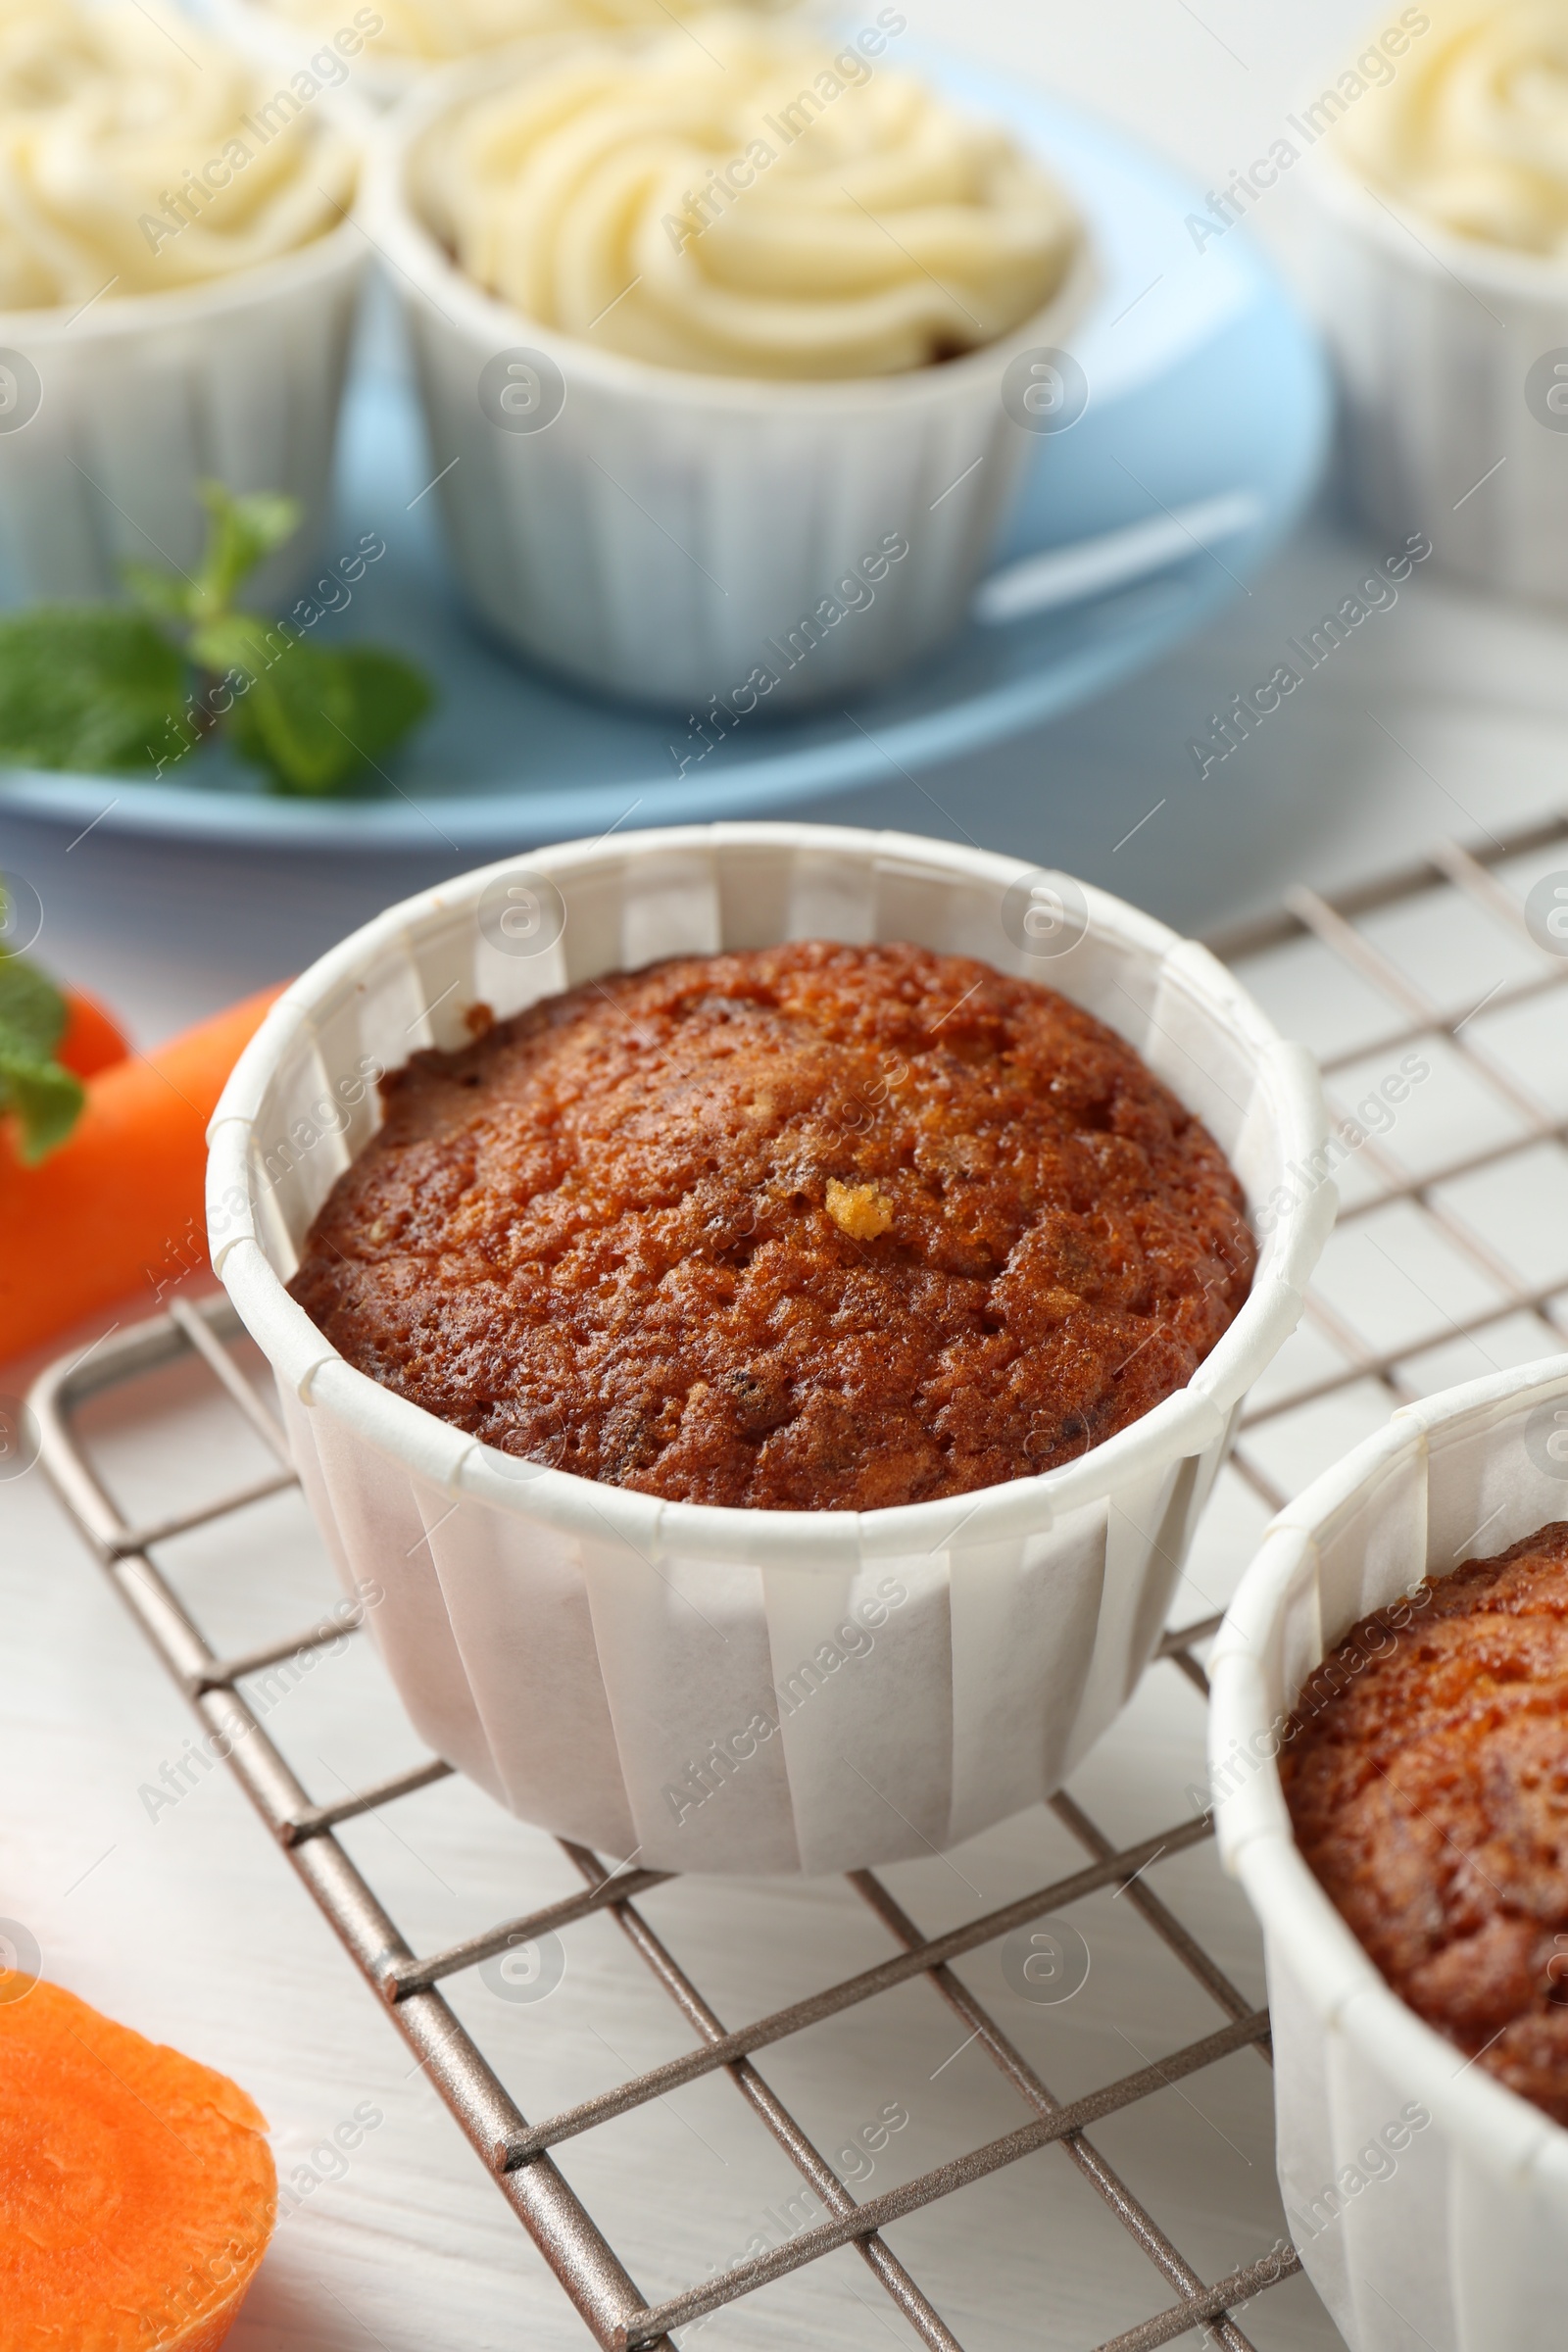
point(138, 2191)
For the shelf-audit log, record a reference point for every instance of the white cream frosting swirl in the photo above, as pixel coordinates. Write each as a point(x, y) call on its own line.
point(425, 31)
point(137, 155)
point(1473, 130)
point(762, 207)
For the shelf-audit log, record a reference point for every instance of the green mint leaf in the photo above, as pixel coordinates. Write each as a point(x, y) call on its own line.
point(320, 715)
point(86, 686)
point(45, 1098)
point(240, 641)
point(164, 595)
point(240, 533)
point(297, 721)
point(47, 1102)
point(32, 1012)
point(390, 697)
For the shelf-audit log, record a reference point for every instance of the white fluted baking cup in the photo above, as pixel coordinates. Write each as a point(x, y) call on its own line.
point(132, 402)
point(670, 536)
point(1444, 349)
point(731, 1689)
point(1453, 2230)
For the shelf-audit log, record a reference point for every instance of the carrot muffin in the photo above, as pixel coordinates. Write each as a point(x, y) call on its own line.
point(807, 1227)
point(1426, 1770)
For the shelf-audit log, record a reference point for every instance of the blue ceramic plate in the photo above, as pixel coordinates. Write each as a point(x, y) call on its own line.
point(1203, 382)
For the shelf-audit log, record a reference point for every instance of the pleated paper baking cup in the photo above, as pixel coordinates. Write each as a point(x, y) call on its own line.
point(1453, 357)
point(724, 1689)
point(110, 417)
point(678, 538)
point(1429, 2203)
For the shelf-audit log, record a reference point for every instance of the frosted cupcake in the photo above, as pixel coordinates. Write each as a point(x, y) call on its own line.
point(1441, 258)
point(177, 279)
point(711, 341)
point(1472, 131)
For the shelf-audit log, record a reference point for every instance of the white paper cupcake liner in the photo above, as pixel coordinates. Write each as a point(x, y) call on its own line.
point(673, 537)
point(137, 401)
point(1429, 2204)
point(1444, 348)
point(730, 1690)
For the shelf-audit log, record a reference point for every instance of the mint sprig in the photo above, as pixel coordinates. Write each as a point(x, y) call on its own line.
point(45, 1099)
point(132, 688)
point(85, 686)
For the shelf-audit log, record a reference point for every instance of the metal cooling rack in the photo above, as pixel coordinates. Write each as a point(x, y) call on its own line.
point(1341, 1358)
point(1456, 897)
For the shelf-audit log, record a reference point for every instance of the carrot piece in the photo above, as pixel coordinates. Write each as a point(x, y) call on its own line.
point(138, 2191)
point(119, 1207)
point(93, 1038)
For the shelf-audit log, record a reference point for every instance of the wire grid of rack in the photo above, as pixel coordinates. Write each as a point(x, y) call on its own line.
point(516, 2150)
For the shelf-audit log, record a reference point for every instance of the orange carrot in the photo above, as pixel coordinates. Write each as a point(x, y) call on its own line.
point(93, 1039)
point(117, 1208)
point(137, 2194)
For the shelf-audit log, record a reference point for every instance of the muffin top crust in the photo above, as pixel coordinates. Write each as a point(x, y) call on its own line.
point(811, 1227)
point(1426, 1772)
